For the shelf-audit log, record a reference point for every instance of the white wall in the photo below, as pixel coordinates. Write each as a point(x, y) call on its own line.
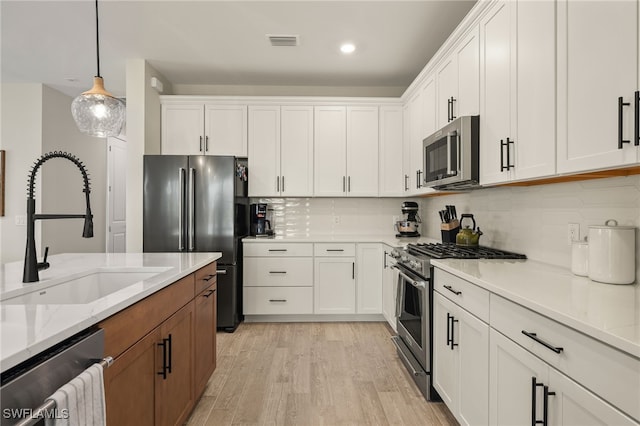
point(21, 138)
point(62, 183)
point(143, 137)
point(533, 220)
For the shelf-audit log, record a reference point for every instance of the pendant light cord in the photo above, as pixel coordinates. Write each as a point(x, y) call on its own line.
point(97, 42)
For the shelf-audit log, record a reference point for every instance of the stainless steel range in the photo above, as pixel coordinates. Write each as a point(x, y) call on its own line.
point(414, 303)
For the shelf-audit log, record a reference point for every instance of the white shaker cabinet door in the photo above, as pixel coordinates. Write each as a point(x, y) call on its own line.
point(429, 110)
point(447, 94)
point(334, 285)
point(597, 64)
point(226, 130)
point(496, 74)
point(182, 129)
point(468, 63)
point(330, 151)
point(390, 161)
point(296, 151)
point(362, 151)
point(446, 367)
point(369, 271)
point(264, 151)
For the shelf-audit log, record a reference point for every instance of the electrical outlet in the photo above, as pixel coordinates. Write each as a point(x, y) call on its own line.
point(336, 219)
point(21, 220)
point(573, 233)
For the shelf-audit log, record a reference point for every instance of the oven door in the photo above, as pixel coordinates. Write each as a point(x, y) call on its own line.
point(441, 158)
point(412, 313)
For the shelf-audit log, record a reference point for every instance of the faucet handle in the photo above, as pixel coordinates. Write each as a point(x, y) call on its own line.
point(44, 264)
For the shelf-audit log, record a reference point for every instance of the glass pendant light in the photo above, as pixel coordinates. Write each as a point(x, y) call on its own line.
point(96, 111)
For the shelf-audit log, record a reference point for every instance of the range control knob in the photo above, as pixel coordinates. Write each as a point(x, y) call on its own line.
point(395, 254)
point(415, 265)
point(404, 258)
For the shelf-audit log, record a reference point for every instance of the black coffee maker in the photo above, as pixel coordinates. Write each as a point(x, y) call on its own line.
point(260, 226)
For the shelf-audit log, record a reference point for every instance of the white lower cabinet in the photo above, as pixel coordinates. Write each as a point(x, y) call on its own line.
point(389, 288)
point(369, 265)
point(334, 285)
point(460, 361)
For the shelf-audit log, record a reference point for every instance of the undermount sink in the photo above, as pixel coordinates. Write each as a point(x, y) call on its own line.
point(87, 288)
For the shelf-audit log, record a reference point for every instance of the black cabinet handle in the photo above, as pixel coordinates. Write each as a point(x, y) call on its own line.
point(448, 110)
point(200, 143)
point(206, 143)
point(277, 249)
point(535, 337)
point(165, 367)
point(335, 249)
point(452, 290)
point(208, 277)
point(502, 166)
point(545, 403)
point(406, 182)
point(209, 293)
point(277, 183)
point(508, 165)
point(534, 402)
point(344, 184)
point(453, 117)
point(277, 272)
point(418, 179)
point(282, 183)
point(277, 300)
point(621, 104)
point(449, 317)
point(453, 329)
point(170, 350)
point(353, 270)
point(636, 132)
point(384, 260)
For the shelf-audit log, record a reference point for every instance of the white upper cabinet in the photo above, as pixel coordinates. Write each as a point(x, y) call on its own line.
point(390, 161)
point(458, 79)
point(517, 91)
point(182, 129)
point(597, 65)
point(226, 130)
point(280, 151)
point(330, 151)
point(345, 148)
point(362, 151)
point(192, 128)
point(264, 151)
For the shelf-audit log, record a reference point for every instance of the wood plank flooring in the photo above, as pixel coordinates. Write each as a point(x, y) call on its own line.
point(312, 374)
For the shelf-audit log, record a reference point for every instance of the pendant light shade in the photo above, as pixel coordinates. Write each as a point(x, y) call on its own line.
point(96, 111)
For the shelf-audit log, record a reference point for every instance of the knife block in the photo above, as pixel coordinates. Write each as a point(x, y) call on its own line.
point(449, 231)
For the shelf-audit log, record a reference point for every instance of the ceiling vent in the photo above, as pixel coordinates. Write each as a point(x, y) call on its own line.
point(283, 40)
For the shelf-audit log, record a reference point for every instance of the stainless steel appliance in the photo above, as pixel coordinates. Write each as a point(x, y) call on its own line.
point(408, 227)
point(414, 303)
point(452, 155)
point(199, 203)
point(260, 225)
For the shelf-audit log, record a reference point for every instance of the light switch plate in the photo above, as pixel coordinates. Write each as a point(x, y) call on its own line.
point(21, 220)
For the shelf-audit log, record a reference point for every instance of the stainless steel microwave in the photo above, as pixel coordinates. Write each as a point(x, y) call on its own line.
point(452, 155)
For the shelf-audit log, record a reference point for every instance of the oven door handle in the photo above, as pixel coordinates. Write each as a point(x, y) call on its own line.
point(417, 284)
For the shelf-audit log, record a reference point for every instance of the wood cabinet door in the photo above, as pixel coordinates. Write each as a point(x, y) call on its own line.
point(205, 337)
point(334, 285)
point(496, 74)
point(129, 384)
point(369, 271)
point(362, 151)
point(330, 151)
point(264, 151)
point(511, 369)
point(182, 129)
point(225, 130)
point(597, 64)
point(296, 151)
point(390, 161)
point(175, 390)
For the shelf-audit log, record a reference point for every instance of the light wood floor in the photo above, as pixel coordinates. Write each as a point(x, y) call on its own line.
point(312, 374)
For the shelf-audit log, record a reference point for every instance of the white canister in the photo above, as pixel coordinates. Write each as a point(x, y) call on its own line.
point(580, 258)
point(612, 253)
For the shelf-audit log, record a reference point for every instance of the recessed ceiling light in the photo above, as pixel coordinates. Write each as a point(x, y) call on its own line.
point(347, 48)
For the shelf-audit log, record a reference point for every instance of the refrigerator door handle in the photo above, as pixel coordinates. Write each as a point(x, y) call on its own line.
point(181, 211)
point(192, 207)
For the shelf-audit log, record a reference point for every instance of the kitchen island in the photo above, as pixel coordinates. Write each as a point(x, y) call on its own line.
point(29, 327)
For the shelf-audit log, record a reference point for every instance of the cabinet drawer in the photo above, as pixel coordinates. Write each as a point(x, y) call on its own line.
point(607, 372)
point(280, 271)
point(205, 277)
point(278, 300)
point(334, 250)
point(278, 249)
point(471, 297)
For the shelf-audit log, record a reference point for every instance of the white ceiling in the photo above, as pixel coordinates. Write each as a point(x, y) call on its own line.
point(224, 42)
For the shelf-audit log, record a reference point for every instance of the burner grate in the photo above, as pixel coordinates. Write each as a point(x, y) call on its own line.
point(450, 250)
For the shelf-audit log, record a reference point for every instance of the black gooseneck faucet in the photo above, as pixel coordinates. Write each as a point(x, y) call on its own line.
point(31, 264)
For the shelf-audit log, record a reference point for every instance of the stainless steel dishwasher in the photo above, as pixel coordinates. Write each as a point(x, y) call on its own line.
point(25, 387)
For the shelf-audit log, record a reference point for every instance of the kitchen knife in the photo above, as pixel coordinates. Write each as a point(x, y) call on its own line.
point(441, 213)
point(453, 212)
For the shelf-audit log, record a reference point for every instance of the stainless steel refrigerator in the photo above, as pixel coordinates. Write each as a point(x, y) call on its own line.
point(199, 203)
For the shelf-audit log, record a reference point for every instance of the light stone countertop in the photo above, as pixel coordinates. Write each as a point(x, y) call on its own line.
point(388, 239)
point(29, 328)
point(609, 313)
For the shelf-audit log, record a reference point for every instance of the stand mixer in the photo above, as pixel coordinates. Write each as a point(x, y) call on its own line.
point(409, 226)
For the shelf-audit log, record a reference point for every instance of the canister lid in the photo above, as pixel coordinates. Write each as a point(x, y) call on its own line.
point(611, 223)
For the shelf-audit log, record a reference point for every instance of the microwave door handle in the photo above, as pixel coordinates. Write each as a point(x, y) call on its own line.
point(450, 136)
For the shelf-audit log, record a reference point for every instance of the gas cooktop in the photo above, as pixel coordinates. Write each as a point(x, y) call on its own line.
point(453, 251)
